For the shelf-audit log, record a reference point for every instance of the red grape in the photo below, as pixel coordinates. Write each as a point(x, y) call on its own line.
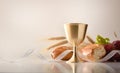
point(108, 47)
point(115, 45)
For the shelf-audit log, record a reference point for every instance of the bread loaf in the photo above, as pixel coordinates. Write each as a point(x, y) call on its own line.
point(59, 50)
point(93, 52)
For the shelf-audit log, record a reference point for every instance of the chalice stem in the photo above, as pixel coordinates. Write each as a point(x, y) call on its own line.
point(74, 58)
point(75, 53)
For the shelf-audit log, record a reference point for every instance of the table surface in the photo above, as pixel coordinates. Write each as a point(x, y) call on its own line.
point(35, 65)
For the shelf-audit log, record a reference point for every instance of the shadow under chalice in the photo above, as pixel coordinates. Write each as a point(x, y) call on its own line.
point(63, 67)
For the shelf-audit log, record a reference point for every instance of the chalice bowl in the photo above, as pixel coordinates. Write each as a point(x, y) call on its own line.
point(75, 34)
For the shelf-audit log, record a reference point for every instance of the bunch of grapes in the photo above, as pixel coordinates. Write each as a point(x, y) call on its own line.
point(115, 45)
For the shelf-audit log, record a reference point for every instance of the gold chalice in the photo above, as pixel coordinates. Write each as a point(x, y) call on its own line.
point(75, 34)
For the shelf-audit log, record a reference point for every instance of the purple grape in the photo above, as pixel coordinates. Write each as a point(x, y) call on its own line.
point(116, 44)
point(115, 58)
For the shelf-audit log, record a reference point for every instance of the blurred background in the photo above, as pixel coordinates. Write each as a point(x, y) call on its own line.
point(24, 23)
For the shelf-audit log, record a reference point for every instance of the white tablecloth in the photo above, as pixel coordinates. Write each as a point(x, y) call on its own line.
point(35, 65)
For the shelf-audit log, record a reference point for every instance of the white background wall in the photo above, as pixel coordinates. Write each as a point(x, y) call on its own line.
point(24, 22)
